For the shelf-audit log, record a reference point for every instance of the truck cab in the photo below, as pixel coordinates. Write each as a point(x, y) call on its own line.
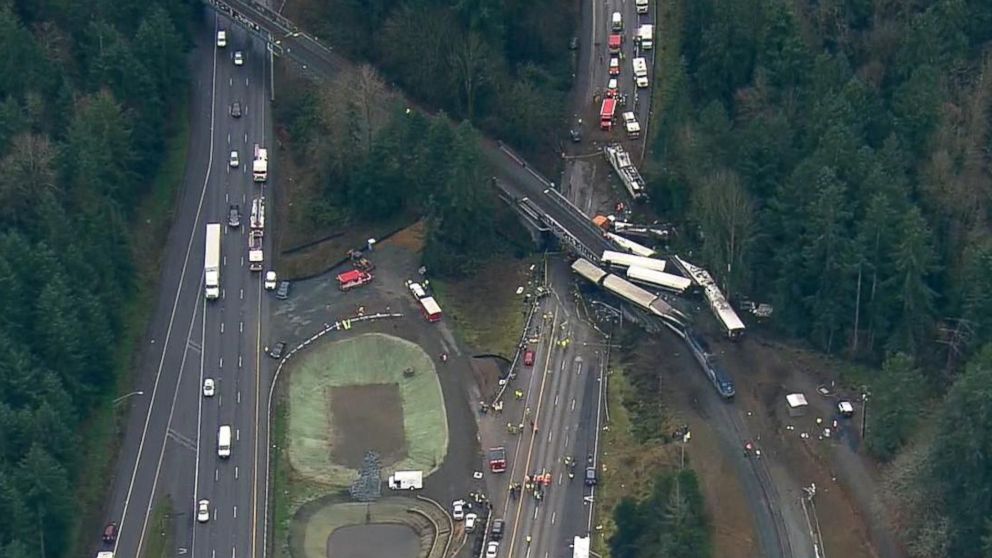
point(616, 21)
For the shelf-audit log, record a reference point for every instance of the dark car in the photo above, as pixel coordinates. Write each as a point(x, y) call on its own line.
point(236, 109)
point(277, 349)
point(576, 135)
point(591, 476)
point(234, 216)
point(110, 533)
point(282, 292)
point(496, 533)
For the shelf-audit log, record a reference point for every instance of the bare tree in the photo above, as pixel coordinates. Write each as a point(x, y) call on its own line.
point(470, 62)
point(726, 214)
point(27, 170)
point(371, 96)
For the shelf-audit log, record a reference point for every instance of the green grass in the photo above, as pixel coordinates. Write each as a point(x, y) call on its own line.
point(493, 322)
point(160, 531)
point(367, 359)
point(103, 428)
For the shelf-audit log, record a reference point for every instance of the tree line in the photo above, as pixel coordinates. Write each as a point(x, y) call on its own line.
point(85, 93)
point(502, 64)
point(834, 158)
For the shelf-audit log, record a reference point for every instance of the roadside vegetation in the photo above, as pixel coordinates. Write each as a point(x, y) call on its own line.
point(86, 90)
point(833, 158)
point(670, 522)
point(504, 65)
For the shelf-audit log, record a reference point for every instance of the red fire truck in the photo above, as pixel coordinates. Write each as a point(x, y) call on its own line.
point(606, 114)
point(430, 309)
point(353, 279)
point(497, 459)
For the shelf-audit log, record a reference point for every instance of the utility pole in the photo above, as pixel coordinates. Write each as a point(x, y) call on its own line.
point(865, 394)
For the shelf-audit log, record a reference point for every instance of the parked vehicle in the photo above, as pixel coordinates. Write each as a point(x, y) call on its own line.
point(528, 357)
point(277, 349)
point(270, 280)
point(110, 533)
point(282, 293)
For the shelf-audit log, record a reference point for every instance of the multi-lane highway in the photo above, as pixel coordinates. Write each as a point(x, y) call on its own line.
point(170, 445)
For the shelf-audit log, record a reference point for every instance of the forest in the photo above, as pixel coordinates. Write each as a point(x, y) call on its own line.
point(670, 522)
point(504, 65)
point(833, 157)
point(85, 91)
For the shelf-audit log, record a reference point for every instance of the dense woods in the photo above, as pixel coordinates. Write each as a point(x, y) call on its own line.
point(670, 522)
point(85, 89)
point(504, 65)
point(834, 158)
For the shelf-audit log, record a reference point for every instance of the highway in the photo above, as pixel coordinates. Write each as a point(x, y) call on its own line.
point(169, 449)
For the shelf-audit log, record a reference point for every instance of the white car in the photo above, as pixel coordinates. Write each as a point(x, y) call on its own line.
point(239, 58)
point(492, 549)
point(208, 387)
point(222, 38)
point(203, 511)
point(270, 280)
point(470, 519)
point(235, 160)
point(458, 510)
point(642, 81)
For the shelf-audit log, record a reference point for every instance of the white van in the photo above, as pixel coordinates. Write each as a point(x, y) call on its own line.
point(641, 72)
point(222, 38)
point(224, 441)
point(617, 21)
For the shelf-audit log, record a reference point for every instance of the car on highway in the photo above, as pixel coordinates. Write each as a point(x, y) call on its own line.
point(277, 349)
point(492, 549)
point(282, 293)
point(614, 65)
point(222, 38)
point(470, 519)
point(236, 109)
point(529, 357)
point(270, 280)
point(203, 511)
point(110, 533)
point(239, 58)
point(496, 531)
point(235, 160)
point(612, 88)
point(458, 510)
point(234, 215)
point(208, 387)
point(591, 479)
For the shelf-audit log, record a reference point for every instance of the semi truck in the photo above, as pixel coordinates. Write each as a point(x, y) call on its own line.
point(211, 262)
point(606, 112)
point(255, 255)
point(497, 459)
point(260, 164)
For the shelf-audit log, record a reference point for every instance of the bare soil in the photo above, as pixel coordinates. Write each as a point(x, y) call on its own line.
point(367, 417)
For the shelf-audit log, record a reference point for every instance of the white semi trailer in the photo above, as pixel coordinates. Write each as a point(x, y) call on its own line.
point(211, 262)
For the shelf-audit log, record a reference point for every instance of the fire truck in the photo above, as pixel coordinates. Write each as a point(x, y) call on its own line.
point(497, 459)
point(606, 112)
point(353, 279)
point(615, 42)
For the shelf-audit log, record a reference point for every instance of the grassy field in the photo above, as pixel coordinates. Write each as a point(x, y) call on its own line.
point(487, 313)
point(628, 468)
point(368, 359)
point(103, 428)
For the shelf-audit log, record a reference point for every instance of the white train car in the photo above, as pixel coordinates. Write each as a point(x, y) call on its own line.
point(660, 279)
point(630, 245)
point(620, 259)
point(587, 270)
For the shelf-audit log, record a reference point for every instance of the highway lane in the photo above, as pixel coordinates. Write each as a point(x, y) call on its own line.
point(234, 329)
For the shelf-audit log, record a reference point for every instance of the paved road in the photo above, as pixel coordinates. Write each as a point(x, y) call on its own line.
point(169, 447)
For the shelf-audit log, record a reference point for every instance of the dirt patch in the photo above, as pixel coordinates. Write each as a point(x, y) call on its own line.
point(487, 372)
point(373, 540)
point(367, 417)
point(410, 238)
